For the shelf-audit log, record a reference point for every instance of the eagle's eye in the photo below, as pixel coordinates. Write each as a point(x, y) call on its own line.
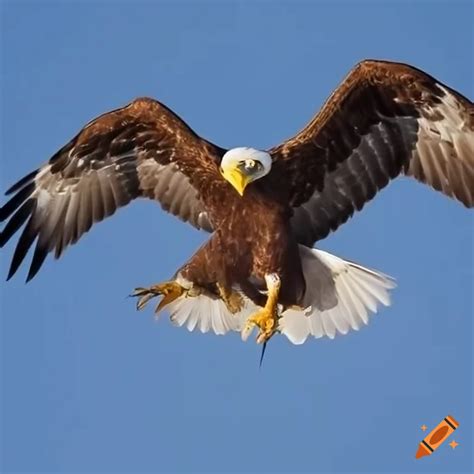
point(252, 165)
point(249, 165)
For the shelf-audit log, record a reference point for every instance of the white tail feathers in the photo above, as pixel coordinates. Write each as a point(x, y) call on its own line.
point(205, 313)
point(340, 295)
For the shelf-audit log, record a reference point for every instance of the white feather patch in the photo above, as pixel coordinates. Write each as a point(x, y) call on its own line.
point(340, 296)
point(444, 156)
point(205, 313)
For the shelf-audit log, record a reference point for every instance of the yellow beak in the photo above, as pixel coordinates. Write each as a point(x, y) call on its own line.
point(236, 178)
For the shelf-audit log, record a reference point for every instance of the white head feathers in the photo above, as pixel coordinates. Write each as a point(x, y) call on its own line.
point(240, 166)
point(241, 154)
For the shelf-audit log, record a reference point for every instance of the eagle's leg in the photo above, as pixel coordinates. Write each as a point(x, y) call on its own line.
point(267, 317)
point(170, 290)
point(232, 299)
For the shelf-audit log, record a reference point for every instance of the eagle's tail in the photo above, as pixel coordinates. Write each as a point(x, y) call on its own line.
point(340, 295)
point(205, 313)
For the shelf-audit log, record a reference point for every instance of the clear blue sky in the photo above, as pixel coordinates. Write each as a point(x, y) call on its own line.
point(89, 385)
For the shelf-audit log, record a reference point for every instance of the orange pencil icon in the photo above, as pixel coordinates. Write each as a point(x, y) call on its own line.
point(437, 437)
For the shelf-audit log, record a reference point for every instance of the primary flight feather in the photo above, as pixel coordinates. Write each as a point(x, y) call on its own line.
point(265, 209)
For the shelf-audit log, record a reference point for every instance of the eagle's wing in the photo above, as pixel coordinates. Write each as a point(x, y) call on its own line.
point(385, 119)
point(140, 150)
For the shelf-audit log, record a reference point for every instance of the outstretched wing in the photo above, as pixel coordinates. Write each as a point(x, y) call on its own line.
point(141, 150)
point(385, 119)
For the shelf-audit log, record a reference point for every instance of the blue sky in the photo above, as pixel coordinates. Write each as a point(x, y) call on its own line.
point(89, 385)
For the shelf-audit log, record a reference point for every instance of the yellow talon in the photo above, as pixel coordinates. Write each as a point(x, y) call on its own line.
point(266, 319)
point(170, 291)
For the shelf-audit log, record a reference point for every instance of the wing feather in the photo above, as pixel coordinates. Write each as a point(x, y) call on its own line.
point(140, 150)
point(385, 119)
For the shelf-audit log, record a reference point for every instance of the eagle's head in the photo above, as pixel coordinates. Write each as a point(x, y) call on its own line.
point(240, 166)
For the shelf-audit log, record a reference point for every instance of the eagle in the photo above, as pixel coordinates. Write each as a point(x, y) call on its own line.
point(265, 210)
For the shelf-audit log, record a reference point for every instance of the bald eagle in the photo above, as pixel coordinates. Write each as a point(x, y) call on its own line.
point(265, 209)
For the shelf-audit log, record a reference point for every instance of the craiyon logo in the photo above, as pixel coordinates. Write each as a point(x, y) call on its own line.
point(437, 437)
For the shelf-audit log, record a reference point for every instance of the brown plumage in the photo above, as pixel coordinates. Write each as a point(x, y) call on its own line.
point(141, 150)
point(385, 119)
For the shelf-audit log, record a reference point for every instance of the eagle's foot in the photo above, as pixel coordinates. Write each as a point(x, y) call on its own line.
point(232, 299)
point(266, 319)
point(170, 290)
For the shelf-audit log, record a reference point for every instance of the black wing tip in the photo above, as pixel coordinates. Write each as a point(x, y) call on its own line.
point(25, 241)
point(22, 213)
point(12, 271)
point(22, 182)
point(30, 276)
point(22, 189)
point(4, 212)
point(17, 201)
point(39, 257)
point(36, 264)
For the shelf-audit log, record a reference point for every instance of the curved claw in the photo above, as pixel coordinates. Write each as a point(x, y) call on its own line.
point(266, 320)
point(267, 317)
point(169, 290)
point(247, 330)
